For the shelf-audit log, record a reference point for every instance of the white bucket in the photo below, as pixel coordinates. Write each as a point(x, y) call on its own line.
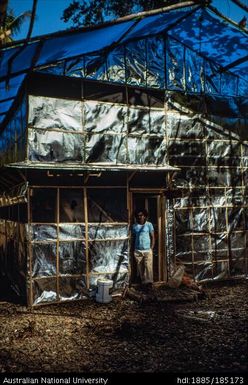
point(103, 286)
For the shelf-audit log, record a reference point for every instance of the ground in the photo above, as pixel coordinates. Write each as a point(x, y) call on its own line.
point(192, 335)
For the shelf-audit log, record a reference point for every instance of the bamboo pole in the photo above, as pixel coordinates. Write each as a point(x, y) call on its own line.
point(160, 266)
point(163, 243)
point(228, 240)
point(191, 220)
point(218, 13)
point(30, 251)
point(159, 10)
point(130, 213)
point(77, 187)
point(86, 238)
point(109, 23)
point(146, 190)
point(57, 241)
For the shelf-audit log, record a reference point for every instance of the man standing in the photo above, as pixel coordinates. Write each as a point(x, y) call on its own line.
point(144, 240)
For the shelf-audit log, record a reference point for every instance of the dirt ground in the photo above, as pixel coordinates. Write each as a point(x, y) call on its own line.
point(126, 335)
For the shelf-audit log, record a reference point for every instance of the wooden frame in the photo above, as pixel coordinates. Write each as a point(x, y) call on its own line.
point(57, 241)
point(160, 214)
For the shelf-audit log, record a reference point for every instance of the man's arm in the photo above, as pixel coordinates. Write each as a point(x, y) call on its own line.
point(152, 236)
point(132, 243)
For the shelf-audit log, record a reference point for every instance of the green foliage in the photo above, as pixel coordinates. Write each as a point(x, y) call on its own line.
point(84, 12)
point(13, 24)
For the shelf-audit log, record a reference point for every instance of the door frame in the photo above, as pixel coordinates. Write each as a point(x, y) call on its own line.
point(161, 221)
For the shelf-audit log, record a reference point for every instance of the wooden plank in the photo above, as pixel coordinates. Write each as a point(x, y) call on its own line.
point(86, 238)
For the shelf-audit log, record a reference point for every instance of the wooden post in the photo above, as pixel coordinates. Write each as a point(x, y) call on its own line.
point(163, 243)
point(130, 211)
point(159, 237)
point(57, 242)
point(86, 238)
point(30, 253)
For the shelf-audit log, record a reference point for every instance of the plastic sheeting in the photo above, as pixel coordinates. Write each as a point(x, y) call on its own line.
point(82, 42)
point(145, 62)
point(108, 133)
point(60, 266)
point(71, 252)
point(53, 146)
point(199, 33)
point(109, 254)
point(206, 208)
point(219, 50)
point(45, 290)
point(201, 128)
point(105, 132)
point(54, 113)
point(211, 216)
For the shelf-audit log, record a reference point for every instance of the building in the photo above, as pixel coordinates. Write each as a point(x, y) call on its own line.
point(149, 110)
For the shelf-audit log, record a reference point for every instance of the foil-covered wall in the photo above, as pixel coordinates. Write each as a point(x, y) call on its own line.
point(144, 63)
point(102, 132)
point(211, 203)
point(211, 151)
point(207, 205)
point(56, 262)
point(68, 255)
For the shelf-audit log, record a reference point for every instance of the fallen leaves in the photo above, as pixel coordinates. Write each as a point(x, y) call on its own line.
point(127, 335)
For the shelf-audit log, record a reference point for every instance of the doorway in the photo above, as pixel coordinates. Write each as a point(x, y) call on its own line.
point(154, 203)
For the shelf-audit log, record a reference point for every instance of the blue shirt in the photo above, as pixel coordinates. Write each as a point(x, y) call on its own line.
point(141, 234)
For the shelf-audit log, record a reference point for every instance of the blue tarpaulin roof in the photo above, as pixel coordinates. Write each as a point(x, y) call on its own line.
point(197, 28)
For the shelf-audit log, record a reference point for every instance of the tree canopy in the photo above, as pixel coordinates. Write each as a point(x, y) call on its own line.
point(11, 24)
point(83, 12)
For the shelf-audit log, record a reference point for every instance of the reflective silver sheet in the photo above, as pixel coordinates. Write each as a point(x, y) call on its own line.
point(72, 259)
point(71, 288)
point(136, 63)
point(110, 133)
point(43, 232)
point(116, 65)
point(144, 62)
point(53, 146)
point(207, 205)
point(106, 149)
point(50, 113)
point(58, 251)
point(109, 256)
point(207, 224)
point(71, 231)
point(104, 118)
point(44, 290)
point(98, 231)
point(211, 212)
point(44, 259)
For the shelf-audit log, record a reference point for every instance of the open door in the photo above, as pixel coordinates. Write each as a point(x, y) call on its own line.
point(155, 205)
